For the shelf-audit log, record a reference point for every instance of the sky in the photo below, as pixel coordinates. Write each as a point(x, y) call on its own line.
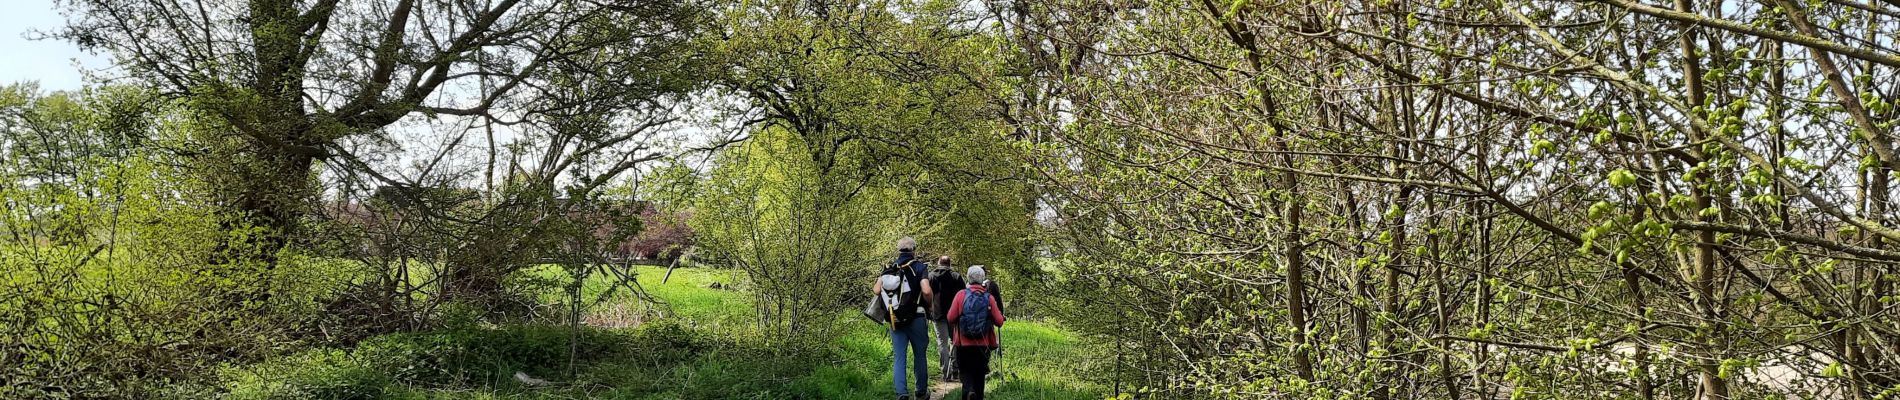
point(56, 64)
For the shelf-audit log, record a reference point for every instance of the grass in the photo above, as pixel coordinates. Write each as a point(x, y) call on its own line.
point(703, 346)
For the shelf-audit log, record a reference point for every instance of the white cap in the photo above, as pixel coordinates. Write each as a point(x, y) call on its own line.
point(976, 274)
point(890, 282)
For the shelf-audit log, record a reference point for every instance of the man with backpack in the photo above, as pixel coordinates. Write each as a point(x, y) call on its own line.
point(903, 285)
point(944, 284)
point(977, 316)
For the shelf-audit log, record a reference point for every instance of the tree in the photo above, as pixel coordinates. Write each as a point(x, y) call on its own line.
point(870, 121)
point(664, 234)
point(281, 85)
point(1454, 199)
point(103, 292)
point(766, 211)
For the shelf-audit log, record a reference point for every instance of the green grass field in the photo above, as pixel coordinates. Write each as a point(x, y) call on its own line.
point(701, 345)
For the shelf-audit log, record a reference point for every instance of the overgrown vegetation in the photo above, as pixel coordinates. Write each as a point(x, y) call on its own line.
point(1473, 199)
point(1390, 199)
point(688, 352)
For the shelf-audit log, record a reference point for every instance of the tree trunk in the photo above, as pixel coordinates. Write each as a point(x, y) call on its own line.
point(1702, 265)
point(1294, 256)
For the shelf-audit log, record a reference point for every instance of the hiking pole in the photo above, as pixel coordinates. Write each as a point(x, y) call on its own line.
point(997, 359)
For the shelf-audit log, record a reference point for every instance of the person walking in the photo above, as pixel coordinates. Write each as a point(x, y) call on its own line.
point(944, 284)
point(903, 287)
point(996, 292)
point(978, 317)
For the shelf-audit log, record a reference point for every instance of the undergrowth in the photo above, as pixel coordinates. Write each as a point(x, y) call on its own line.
point(700, 349)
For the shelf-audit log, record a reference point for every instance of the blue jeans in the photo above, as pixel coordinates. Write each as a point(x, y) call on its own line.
point(917, 337)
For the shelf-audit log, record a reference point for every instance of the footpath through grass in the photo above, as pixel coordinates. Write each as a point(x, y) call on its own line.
point(706, 347)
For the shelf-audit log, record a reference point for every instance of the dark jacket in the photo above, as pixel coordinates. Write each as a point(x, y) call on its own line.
point(996, 292)
point(944, 285)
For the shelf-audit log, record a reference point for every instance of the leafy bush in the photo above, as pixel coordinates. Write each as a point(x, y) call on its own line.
point(486, 356)
point(110, 284)
point(457, 358)
point(316, 374)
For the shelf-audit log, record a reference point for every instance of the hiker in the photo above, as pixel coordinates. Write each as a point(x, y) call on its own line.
point(944, 284)
point(996, 291)
point(902, 285)
point(978, 316)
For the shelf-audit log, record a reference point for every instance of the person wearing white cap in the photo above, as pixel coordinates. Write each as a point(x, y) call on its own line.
point(977, 316)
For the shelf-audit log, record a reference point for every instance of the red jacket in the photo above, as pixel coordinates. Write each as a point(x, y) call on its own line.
point(956, 311)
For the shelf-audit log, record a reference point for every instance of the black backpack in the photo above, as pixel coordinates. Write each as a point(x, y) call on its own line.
point(909, 304)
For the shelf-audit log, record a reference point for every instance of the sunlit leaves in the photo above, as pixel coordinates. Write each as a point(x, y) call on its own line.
point(1621, 178)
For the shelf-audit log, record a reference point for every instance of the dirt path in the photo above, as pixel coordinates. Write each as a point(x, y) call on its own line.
point(939, 389)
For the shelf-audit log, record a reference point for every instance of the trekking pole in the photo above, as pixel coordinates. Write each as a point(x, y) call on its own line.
point(996, 361)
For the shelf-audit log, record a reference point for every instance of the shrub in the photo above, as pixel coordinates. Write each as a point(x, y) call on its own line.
point(316, 374)
point(453, 358)
point(476, 356)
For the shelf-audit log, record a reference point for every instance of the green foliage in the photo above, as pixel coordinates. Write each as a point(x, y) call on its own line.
point(767, 211)
point(1622, 178)
point(690, 354)
point(875, 126)
point(317, 374)
point(673, 186)
point(1577, 205)
point(108, 288)
point(464, 356)
point(454, 358)
point(1328, 199)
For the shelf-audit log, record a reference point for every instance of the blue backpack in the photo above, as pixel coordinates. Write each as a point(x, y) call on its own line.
point(975, 321)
